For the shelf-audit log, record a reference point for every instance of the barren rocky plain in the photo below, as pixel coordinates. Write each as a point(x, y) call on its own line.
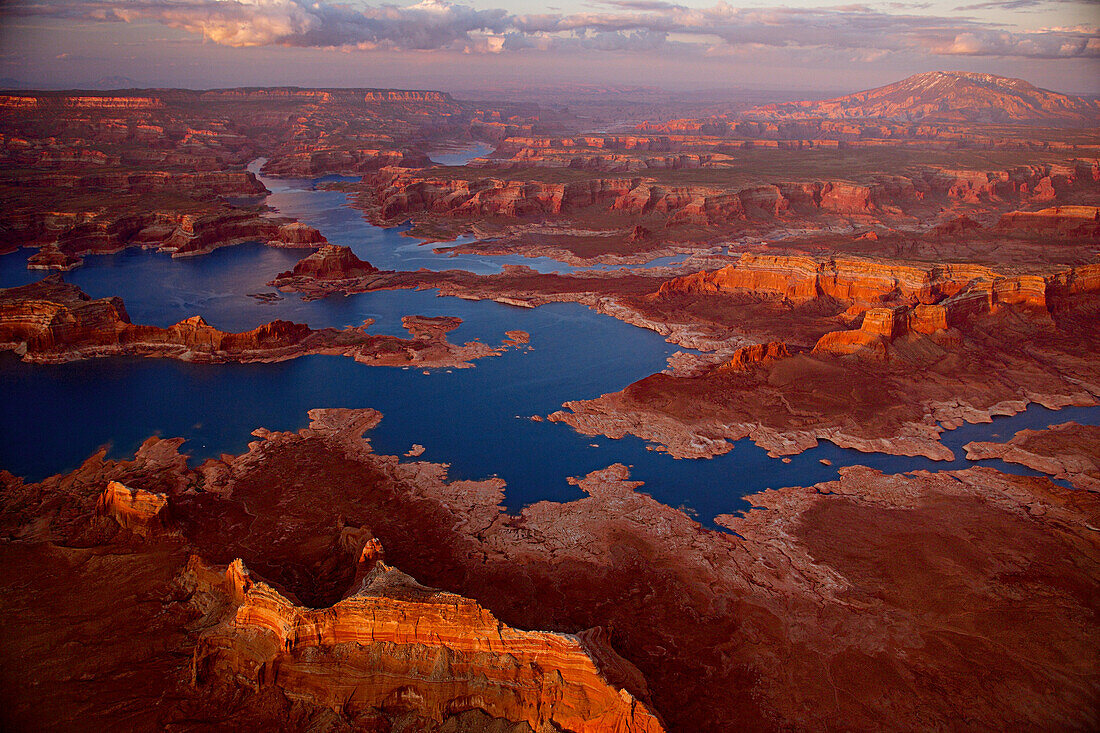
point(877, 273)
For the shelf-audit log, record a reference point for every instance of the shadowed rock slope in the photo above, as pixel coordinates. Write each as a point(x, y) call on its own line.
point(870, 602)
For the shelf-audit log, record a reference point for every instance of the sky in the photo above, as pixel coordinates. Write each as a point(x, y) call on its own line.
point(492, 44)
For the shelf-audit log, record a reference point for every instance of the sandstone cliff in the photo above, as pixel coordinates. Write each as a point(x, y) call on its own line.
point(904, 582)
point(329, 263)
point(224, 646)
point(393, 194)
point(392, 644)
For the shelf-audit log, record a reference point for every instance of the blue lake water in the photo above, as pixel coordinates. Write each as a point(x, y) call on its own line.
point(384, 247)
point(461, 156)
point(387, 247)
point(474, 419)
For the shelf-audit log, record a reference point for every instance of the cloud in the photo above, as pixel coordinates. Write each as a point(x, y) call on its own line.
point(641, 4)
point(863, 31)
point(430, 24)
point(1032, 45)
point(1021, 4)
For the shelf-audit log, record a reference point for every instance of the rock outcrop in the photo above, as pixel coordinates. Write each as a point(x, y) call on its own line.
point(391, 644)
point(1070, 452)
point(320, 161)
point(52, 321)
point(749, 356)
point(135, 509)
point(514, 206)
point(63, 238)
point(329, 263)
point(1065, 221)
point(902, 582)
point(950, 319)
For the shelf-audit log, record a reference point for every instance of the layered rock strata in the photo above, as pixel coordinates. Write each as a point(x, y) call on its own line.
point(95, 173)
point(52, 321)
point(869, 600)
point(871, 355)
point(391, 644)
point(329, 263)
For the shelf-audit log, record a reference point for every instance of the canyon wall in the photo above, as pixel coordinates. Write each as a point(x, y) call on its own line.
point(392, 644)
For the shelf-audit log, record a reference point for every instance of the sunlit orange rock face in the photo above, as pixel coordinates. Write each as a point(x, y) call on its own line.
point(802, 279)
point(957, 289)
point(135, 509)
point(392, 644)
point(748, 356)
point(1075, 221)
point(878, 355)
point(268, 601)
point(378, 651)
point(330, 263)
point(52, 320)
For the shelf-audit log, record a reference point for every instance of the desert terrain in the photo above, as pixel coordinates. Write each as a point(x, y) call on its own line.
point(872, 272)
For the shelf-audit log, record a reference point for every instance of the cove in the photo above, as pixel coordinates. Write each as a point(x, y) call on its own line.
point(475, 419)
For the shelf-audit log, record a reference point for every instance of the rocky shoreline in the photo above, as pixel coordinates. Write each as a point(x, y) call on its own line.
point(871, 574)
point(52, 322)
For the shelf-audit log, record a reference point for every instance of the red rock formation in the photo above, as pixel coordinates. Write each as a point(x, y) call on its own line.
point(515, 206)
point(396, 194)
point(378, 648)
point(858, 341)
point(1065, 221)
point(801, 279)
point(958, 225)
point(518, 337)
point(964, 290)
point(199, 236)
point(330, 262)
point(51, 321)
point(938, 595)
point(51, 257)
point(181, 235)
point(979, 326)
point(113, 103)
point(320, 161)
point(235, 652)
point(947, 96)
point(749, 356)
point(1069, 452)
point(430, 327)
point(398, 95)
point(135, 509)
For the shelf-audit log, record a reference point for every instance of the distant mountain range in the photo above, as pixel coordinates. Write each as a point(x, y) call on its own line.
point(114, 82)
point(103, 83)
point(947, 96)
